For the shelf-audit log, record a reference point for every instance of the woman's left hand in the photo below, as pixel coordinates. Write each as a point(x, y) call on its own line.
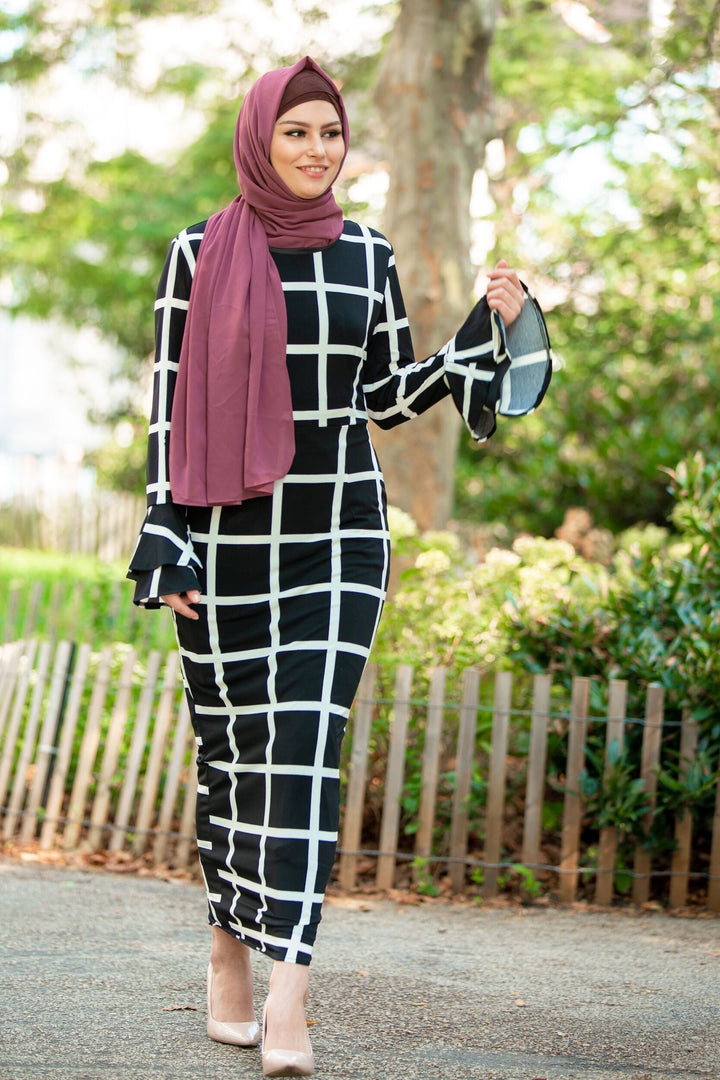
point(504, 293)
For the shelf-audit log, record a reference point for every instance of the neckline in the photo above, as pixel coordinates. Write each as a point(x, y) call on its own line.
point(308, 250)
point(297, 251)
point(301, 251)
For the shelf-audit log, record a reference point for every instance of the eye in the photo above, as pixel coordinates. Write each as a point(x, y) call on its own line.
point(336, 133)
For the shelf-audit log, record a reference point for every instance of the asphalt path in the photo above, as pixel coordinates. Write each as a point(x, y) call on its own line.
point(102, 978)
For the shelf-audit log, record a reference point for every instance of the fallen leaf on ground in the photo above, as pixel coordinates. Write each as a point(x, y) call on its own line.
point(180, 1008)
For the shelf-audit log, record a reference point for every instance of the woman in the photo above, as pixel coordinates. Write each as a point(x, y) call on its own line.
point(266, 530)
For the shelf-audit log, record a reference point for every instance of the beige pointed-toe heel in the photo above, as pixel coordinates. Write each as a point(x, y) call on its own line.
point(285, 1062)
point(246, 1034)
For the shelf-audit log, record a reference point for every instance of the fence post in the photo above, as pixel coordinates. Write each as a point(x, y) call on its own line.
point(614, 739)
point(680, 867)
point(394, 775)
point(88, 750)
point(496, 781)
point(572, 812)
point(25, 661)
point(62, 764)
point(31, 610)
point(54, 607)
point(652, 734)
point(430, 767)
point(158, 747)
point(537, 760)
point(713, 900)
point(111, 753)
point(355, 798)
point(137, 751)
point(464, 768)
point(11, 654)
point(172, 782)
point(13, 664)
point(186, 840)
point(11, 609)
point(46, 746)
point(20, 780)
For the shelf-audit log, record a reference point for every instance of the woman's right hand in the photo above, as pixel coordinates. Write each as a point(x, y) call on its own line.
point(180, 602)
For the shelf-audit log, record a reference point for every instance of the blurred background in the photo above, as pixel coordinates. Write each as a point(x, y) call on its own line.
point(579, 141)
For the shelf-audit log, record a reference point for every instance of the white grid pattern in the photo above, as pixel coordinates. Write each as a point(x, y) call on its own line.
point(292, 585)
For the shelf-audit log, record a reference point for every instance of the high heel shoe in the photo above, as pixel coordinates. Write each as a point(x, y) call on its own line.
point(285, 1062)
point(246, 1034)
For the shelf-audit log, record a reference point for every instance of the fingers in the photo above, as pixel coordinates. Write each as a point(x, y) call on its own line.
point(180, 602)
point(504, 292)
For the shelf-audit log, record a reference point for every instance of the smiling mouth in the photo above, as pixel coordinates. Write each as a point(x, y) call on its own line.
point(314, 170)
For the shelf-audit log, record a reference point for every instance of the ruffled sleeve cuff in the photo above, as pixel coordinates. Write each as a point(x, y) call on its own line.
point(507, 375)
point(164, 561)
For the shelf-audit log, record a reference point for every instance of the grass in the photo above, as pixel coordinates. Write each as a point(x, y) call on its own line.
point(74, 597)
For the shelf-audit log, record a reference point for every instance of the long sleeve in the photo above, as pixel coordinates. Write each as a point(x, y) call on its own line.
point(164, 560)
point(486, 369)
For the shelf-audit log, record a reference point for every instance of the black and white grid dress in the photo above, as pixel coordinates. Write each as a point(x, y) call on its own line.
point(293, 583)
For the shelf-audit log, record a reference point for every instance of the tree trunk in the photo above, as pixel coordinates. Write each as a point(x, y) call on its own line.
point(433, 95)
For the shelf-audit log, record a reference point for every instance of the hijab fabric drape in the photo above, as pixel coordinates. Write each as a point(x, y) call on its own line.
point(232, 430)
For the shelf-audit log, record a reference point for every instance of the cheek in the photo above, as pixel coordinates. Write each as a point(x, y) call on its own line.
point(278, 154)
point(336, 153)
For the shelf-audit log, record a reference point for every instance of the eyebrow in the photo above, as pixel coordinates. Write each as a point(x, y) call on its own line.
point(301, 123)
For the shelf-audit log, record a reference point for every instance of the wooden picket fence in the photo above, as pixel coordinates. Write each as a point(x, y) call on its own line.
point(97, 754)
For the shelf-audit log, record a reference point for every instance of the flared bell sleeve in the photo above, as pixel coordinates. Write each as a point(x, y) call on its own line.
point(487, 369)
point(506, 375)
point(164, 561)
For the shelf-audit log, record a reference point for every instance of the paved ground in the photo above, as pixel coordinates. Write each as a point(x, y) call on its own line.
point(102, 978)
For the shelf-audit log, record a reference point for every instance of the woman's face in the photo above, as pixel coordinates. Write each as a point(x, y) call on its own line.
point(307, 148)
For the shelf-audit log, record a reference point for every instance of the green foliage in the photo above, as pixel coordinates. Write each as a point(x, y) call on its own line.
point(424, 883)
point(41, 37)
point(656, 620)
point(631, 274)
point(615, 797)
point(528, 884)
point(651, 616)
point(449, 609)
point(120, 467)
point(116, 227)
point(75, 598)
point(693, 788)
point(575, 93)
point(654, 617)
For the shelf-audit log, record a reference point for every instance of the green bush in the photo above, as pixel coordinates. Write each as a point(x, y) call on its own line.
point(75, 598)
point(537, 606)
point(655, 619)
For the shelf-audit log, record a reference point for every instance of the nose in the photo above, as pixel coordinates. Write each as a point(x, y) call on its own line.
point(317, 145)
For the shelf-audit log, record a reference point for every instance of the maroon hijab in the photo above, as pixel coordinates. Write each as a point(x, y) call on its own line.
point(232, 429)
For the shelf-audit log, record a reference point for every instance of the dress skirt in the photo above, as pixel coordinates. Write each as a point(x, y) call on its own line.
point(292, 588)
